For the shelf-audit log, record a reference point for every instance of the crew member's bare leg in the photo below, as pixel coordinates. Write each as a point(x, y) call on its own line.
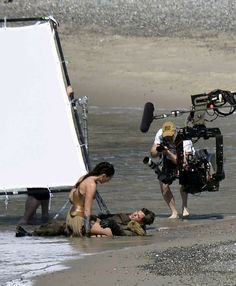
point(169, 199)
point(184, 196)
point(45, 211)
point(31, 206)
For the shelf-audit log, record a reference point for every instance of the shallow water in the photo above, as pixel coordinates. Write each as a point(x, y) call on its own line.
point(114, 136)
point(25, 258)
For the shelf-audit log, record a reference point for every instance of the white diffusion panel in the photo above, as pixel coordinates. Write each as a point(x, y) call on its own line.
point(39, 145)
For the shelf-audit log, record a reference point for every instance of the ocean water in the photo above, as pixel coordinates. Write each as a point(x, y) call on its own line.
point(25, 258)
point(114, 136)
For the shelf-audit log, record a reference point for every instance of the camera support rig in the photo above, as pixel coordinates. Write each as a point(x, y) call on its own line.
point(217, 103)
point(195, 176)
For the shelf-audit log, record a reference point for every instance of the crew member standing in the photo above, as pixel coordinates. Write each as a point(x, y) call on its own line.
point(164, 143)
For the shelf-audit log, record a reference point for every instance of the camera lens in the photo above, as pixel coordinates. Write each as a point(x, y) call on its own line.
point(149, 162)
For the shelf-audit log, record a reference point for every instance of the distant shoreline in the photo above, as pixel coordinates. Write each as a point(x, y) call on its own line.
point(145, 18)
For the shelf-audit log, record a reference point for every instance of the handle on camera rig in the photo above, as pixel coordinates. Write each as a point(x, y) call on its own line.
point(215, 103)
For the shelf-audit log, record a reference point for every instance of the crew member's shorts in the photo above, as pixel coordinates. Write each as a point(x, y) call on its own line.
point(39, 193)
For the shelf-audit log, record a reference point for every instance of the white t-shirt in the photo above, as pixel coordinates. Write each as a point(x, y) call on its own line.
point(187, 144)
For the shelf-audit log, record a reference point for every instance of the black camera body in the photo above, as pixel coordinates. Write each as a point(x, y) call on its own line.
point(161, 148)
point(202, 171)
point(199, 174)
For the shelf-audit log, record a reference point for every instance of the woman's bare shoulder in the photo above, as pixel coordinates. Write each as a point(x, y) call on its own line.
point(88, 184)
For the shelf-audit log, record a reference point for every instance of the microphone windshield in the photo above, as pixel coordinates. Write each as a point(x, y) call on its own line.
point(147, 117)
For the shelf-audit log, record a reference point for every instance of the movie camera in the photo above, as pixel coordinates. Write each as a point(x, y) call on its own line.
point(163, 177)
point(201, 170)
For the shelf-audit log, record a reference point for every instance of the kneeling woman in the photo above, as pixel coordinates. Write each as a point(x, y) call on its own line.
point(82, 195)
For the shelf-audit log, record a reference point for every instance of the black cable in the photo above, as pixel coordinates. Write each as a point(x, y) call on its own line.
point(228, 98)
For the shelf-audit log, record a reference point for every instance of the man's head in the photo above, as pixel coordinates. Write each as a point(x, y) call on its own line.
point(143, 216)
point(168, 129)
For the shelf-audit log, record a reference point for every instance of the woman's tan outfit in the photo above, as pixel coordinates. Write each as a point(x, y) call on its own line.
point(75, 216)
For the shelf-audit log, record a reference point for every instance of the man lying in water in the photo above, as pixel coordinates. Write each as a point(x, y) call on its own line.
point(121, 224)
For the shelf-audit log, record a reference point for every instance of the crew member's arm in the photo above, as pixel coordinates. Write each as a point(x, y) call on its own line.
point(153, 151)
point(157, 142)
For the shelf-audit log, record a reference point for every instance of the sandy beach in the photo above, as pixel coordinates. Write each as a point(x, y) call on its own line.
point(122, 70)
point(125, 53)
point(193, 255)
point(118, 71)
point(129, 71)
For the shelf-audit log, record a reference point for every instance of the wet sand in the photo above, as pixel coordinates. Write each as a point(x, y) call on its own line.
point(203, 254)
point(126, 70)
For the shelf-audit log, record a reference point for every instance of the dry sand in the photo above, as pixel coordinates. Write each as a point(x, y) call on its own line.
point(123, 71)
point(125, 52)
point(128, 71)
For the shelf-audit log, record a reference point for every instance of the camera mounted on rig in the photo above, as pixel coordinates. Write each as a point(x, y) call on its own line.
point(161, 176)
point(201, 171)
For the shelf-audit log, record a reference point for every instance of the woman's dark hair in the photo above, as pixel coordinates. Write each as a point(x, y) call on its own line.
point(149, 216)
point(101, 168)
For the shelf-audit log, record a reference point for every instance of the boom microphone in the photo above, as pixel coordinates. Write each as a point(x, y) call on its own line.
point(147, 117)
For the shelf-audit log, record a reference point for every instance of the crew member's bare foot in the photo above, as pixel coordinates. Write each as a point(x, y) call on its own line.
point(185, 213)
point(174, 216)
